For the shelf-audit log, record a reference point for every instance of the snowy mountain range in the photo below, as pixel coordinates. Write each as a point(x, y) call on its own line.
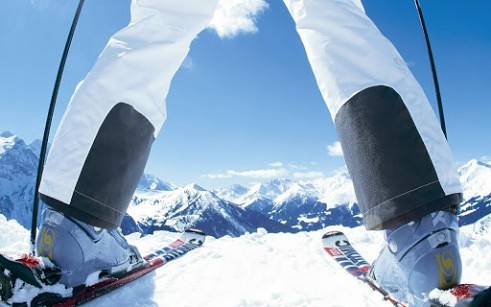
point(18, 166)
point(193, 206)
point(331, 201)
point(280, 205)
point(301, 205)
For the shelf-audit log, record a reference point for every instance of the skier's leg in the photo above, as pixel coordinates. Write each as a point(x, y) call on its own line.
point(103, 141)
point(395, 151)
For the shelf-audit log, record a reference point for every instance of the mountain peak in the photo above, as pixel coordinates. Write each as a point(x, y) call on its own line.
point(195, 186)
point(474, 165)
point(475, 177)
point(240, 189)
point(6, 134)
point(9, 141)
point(151, 182)
point(36, 146)
point(478, 163)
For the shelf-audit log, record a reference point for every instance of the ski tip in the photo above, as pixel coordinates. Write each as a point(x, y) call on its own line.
point(196, 231)
point(332, 233)
point(193, 236)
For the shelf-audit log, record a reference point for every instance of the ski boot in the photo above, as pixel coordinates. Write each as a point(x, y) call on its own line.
point(419, 256)
point(84, 253)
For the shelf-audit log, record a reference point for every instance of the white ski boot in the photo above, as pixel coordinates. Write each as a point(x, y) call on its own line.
point(83, 252)
point(419, 256)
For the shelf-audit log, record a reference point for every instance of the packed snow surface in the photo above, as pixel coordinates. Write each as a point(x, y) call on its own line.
point(260, 269)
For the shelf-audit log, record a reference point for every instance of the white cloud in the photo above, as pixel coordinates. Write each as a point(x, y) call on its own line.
point(278, 170)
point(237, 16)
point(307, 175)
point(334, 150)
point(261, 173)
point(298, 167)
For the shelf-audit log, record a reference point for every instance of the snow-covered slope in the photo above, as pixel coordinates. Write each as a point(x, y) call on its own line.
point(13, 237)
point(261, 269)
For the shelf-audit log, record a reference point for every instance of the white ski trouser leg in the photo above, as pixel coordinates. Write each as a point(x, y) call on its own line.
point(127, 86)
point(381, 113)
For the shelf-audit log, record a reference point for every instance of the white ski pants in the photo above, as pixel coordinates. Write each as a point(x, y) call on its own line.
point(396, 153)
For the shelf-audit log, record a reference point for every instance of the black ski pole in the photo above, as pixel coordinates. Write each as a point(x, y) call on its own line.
point(47, 127)
point(433, 69)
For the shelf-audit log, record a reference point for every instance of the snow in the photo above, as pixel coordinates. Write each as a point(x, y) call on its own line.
point(164, 201)
point(444, 297)
point(338, 189)
point(13, 237)
point(7, 141)
point(295, 190)
point(260, 269)
point(475, 177)
point(308, 220)
point(270, 191)
point(335, 190)
point(341, 183)
point(151, 182)
point(257, 269)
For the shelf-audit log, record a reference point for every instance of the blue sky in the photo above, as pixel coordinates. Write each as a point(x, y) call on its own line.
point(244, 107)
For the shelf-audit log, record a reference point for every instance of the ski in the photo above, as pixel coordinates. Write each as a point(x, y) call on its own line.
point(36, 277)
point(337, 245)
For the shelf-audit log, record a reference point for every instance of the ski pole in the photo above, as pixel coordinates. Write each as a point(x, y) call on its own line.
point(433, 69)
point(47, 127)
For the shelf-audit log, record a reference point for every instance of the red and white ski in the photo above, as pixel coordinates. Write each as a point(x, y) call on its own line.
point(31, 274)
point(337, 245)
